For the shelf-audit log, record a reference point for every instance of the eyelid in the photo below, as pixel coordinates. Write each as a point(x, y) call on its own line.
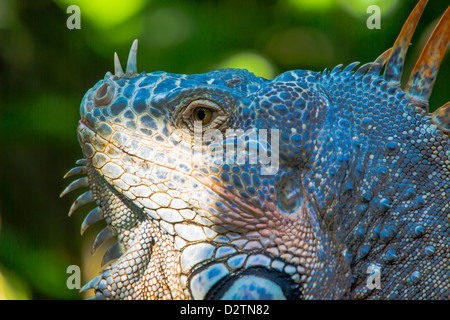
point(201, 103)
point(218, 117)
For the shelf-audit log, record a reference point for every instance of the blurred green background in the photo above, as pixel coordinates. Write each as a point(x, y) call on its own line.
point(45, 69)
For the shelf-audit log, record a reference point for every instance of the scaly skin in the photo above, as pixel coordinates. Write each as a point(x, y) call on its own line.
point(357, 176)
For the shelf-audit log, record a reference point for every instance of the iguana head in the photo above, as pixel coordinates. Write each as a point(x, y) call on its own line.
point(197, 159)
point(225, 185)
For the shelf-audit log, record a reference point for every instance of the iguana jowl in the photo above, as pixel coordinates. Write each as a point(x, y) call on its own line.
point(361, 180)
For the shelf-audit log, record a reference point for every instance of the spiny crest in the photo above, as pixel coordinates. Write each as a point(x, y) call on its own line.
point(396, 56)
point(423, 76)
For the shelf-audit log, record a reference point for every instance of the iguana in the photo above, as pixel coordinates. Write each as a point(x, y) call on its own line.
point(313, 185)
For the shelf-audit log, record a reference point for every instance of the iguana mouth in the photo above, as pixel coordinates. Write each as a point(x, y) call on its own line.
point(240, 204)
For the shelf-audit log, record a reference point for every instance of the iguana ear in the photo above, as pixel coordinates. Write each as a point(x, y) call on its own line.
point(394, 66)
point(423, 76)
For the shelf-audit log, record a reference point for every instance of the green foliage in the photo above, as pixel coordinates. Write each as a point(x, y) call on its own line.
point(45, 69)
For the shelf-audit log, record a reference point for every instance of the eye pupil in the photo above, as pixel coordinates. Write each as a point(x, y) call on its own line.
point(201, 114)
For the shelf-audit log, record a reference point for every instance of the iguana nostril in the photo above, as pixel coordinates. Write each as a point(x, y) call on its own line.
point(104, 94)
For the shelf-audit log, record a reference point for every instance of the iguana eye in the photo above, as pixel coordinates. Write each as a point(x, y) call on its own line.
point(208, 113)
point(202, 114)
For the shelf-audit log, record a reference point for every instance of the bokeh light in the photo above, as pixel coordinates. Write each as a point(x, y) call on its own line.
point(12, 287)
point(253, 62)
point(312, 5)
point(106, 14)
point(300, 46)
point(167, 27)
point(358, 8)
